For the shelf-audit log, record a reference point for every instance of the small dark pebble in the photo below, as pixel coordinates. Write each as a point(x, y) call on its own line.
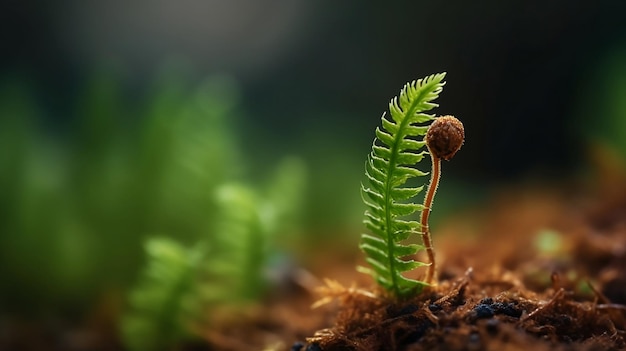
point(418, 330)
point(434, 307)
point(492, 326)
point(565, 319)
point(614, 290)
point(508, 309)
point(474, 338)
point(409, 309)
point(486, 301)
point(473, 343)
point(482, 311)
point(297, 346)
point(313, 347)
point(397, 311)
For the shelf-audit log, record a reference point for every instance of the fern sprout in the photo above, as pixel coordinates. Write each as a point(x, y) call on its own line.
point(398, 146)
point(224, 271)
point(444, 138)
point(166, 298)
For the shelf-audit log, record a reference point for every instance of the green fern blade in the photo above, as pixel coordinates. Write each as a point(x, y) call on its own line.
point(409, 144)
point(374, 226)
point(408, 286)
point(405, 193)
point(379, 267)
point(385, 137)
point(156, 309)
point(374, 216)
point(407, 250)
point(389, 126)
point(379, 279)
point(426, 106)
point(371, 169)
point(407, 171)
point(397, 115)
point(374, 208)
point(419, 130)
point(376, 180)
point(372, 240)
point(381, 152)
point(408, 158)
point(398, 146)
point(403, 174)
point(406, 226)
point(373, 195)
point(404, 266)
point(401, 236)
point(372, 223)
point(376, 253)
point(374, 165)
point(377, 184)
point(420, 93)
point(401, 210)
point(379, 164)
point(384, 282)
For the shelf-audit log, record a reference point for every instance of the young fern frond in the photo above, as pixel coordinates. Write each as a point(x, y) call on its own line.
point(398, 146)
point(223, 271)
point(166, 297)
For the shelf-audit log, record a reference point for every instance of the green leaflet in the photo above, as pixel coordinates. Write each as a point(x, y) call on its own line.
point(160, 299)
point(395, 151)
point(182, 286)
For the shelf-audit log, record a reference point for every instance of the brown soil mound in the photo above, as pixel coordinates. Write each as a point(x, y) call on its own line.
point(549, 273)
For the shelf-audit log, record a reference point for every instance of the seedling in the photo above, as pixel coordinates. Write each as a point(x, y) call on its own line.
point(397, 148)
point(220, 273)
point(444, 138)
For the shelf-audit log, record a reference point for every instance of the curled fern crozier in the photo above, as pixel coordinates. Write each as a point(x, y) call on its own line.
point(398, 146)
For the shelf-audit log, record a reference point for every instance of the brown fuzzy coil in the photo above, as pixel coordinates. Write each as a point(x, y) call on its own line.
point(445, 137)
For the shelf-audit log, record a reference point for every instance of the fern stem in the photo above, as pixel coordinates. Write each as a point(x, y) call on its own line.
point(388, 215)
point(428, 202)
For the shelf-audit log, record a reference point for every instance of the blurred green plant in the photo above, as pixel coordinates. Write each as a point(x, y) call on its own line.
point(182, 287)
point(77, 199)
point(165, 296)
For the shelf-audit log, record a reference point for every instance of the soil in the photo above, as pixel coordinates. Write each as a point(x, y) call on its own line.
point(541, 268)
point(538, 268)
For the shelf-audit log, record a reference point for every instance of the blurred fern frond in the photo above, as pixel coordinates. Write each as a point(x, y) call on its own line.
point(161, 300)
point(226, 269)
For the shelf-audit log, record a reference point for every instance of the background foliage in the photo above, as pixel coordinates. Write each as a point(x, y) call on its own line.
point(118, 120)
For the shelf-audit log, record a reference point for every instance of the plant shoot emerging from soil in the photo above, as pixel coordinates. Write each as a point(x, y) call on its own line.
point(398, 146)
point(444, 138)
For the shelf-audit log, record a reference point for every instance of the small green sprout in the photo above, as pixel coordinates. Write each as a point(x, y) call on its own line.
point(398, 146)
point(186, 288)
